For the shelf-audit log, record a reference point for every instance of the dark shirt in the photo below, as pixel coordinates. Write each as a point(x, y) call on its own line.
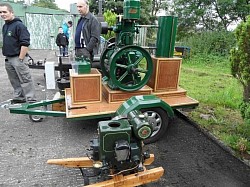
point(78, 42)
point(15, 35)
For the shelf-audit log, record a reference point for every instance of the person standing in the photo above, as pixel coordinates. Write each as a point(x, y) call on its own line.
point(88, 32)
point(66, 27)
point(16, 40)
point(66, 31)
point(62, 42)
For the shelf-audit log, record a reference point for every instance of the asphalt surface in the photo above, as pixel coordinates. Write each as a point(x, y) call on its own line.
point(188, 156)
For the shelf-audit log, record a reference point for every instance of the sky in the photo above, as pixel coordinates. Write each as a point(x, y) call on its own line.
point(65, 4)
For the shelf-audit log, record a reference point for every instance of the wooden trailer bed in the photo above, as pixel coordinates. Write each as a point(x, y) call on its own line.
point(176, 99)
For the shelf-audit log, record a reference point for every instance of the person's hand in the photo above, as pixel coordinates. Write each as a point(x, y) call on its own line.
point(86, 53)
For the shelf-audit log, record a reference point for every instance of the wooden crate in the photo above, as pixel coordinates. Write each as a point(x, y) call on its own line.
point(86, 88)
point(165, 76)
point(113, 96)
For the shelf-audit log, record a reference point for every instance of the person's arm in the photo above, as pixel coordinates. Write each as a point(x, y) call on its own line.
point(24, 41)
point(58, 40)
point(95, 33)
point(24, 50)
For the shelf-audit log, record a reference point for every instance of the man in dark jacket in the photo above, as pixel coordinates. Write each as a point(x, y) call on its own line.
point(88, 31)
point(16, 39)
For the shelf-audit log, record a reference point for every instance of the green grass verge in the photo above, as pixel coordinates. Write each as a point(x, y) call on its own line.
point(209, 81)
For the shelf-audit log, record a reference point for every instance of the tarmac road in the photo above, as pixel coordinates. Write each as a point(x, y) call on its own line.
point(188, 157)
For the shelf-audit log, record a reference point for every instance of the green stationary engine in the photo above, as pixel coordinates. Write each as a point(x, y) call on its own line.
point(118, 147)
point(128, 67)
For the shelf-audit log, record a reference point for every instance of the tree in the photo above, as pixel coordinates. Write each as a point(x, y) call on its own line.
point(116, 6)
point(240, 63)
point(110, 18)
point(213, 15)
point(242, 9)
point(46, 4)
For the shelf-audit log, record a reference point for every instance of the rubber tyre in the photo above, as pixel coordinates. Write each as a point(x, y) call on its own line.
point(35, 118)
point(160, 121)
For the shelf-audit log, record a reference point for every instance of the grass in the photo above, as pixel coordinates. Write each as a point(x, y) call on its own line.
point(209, 81)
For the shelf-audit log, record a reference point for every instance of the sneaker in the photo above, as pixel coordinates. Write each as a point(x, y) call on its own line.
point(15, 101)
point(32, 101)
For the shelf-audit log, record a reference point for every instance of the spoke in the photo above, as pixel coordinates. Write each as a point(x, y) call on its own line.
point(129, 59)
point(158, 120)
point(138, 60)
point(134, 79)
point(153, 115)
point(121, 66)
point(142, 70)
point(123, 76)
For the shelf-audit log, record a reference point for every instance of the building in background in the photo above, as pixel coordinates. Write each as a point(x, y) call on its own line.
point(42, 23)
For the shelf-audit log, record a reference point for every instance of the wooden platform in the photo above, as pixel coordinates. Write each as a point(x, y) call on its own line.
point(176, 99)
point(113, 96)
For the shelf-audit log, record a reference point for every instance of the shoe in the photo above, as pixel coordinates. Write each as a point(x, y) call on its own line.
point(32, 101)
point(15, 101)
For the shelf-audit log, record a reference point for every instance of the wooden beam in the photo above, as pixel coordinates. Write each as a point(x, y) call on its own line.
point(150, 160)
point(83, 162)
point(133, 179)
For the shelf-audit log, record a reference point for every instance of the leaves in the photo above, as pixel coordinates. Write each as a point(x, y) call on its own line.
point(46, 4)
point(240, 57)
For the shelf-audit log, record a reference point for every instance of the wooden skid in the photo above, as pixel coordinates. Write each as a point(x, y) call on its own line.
point(133, 179)
point(81, 162)
point(85, 162)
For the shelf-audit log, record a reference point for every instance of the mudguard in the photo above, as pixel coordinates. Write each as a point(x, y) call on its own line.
point(142, 102)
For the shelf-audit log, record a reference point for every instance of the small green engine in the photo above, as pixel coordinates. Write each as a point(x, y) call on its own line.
point(118, 147)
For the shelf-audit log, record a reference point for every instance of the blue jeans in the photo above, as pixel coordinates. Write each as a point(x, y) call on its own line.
point(63, 51)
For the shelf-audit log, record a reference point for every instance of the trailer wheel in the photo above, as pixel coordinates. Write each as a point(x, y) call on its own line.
point(35, 118)
point(159, 119)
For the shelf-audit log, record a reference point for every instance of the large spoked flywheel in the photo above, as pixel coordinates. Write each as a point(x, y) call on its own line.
point(130, 68)
point(105, 56)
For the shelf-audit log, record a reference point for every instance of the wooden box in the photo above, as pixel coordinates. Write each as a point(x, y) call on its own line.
point(86, 88)
point(165, 76)
point(113, 96)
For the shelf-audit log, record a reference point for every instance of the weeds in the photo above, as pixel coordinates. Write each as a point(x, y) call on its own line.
point(208, 80)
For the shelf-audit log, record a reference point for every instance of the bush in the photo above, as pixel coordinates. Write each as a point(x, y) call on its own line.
point(110, 18)
point(216, 43)
point(245, 111)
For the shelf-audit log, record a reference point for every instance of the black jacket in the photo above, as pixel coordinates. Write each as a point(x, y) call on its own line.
point(15, 35)
point(91, 32)
point(62, 40)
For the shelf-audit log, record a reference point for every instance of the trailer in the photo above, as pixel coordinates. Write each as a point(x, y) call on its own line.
point(135, 92)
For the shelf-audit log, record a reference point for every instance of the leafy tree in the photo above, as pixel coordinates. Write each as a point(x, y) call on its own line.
point(46, 4)
point(159, 5)
point(213, 15)
point(110, 18)
point(146, 18)
point(240, 62)
point(116, 6)
point(242, 9)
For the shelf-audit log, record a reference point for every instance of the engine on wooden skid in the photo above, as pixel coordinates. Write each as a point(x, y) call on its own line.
point(118, 147)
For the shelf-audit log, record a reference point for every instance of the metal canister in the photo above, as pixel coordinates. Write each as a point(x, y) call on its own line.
point(166, 36)
point(131, 9)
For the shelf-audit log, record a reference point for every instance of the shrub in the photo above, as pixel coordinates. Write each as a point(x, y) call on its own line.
point(110, 18)
point(216, 43)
